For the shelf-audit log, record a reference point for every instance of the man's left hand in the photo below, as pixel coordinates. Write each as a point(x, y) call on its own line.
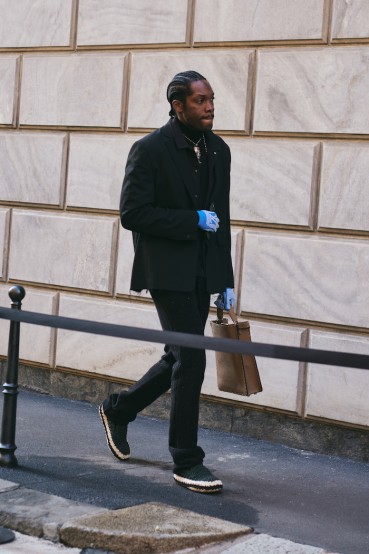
point(226, 299)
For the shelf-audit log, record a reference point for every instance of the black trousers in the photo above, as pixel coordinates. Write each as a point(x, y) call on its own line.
point(180, 369)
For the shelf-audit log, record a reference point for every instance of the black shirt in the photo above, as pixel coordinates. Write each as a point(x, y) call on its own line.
point(201, 175)
point(200, 165)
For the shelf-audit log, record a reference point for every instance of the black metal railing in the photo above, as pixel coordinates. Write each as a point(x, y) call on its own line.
point(15, 315)
point(7, 437)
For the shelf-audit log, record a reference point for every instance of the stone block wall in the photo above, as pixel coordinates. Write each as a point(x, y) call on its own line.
point(80, 81)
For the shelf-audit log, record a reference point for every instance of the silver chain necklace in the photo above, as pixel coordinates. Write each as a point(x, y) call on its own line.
point(196, 146)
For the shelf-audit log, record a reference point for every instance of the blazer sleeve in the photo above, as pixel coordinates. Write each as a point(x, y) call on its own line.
point(138, 211)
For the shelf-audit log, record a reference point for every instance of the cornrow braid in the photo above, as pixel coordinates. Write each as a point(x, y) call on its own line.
point(180, 87)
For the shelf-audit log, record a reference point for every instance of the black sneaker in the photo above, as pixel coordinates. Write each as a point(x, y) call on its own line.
point(116, 435)
point(199, 479)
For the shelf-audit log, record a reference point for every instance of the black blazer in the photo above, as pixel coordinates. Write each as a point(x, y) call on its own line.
point(159, 204)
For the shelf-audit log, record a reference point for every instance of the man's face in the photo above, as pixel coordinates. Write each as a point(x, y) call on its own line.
point(198, 109)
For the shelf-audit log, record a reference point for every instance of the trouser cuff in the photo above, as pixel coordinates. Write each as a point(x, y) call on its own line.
point(185, 458)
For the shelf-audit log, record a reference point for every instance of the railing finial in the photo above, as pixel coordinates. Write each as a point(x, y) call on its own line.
point(16, 294)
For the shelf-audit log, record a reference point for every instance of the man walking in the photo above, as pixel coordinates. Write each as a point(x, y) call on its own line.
point(175, 200)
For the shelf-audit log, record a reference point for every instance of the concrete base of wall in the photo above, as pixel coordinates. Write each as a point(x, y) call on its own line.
point(314, 436)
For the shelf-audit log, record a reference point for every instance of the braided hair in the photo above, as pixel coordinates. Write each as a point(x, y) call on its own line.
point(180, 87)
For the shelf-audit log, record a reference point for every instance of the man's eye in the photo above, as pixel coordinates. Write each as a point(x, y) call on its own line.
point(202, 100)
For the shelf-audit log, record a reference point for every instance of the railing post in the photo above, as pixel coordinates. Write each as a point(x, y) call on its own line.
point(7, 438)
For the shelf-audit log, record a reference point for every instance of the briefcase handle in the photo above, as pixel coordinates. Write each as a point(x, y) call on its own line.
point(231, 312)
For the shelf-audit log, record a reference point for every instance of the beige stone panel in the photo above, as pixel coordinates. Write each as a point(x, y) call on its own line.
point(82, 90)
point(64, 250)
point(8, 72)
point(350, 19)
point(280, 378)
point(125, 22)
point(313, 90)
point(226, 70)
point(271, 180)
point(336, 392)
point(306, 277)
point(36, 341)
point(32, 167)
point(344, 198)
point(4, 218)
point(258, 20)
point(26, 24)
point(96, 170)
point(116, 357)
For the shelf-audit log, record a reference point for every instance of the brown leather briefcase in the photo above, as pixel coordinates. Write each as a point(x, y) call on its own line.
point(236, 373)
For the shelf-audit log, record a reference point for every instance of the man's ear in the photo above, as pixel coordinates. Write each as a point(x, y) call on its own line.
point(177, 106)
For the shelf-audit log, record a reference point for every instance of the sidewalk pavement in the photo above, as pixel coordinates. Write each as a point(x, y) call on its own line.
point(68, 489)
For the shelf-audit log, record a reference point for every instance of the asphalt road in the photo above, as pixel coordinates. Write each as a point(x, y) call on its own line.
point(297, 495)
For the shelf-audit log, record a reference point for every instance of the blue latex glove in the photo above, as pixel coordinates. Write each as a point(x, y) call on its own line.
point(226, 300)
point(208, 221)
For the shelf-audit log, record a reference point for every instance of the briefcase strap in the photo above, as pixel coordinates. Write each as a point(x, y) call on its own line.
point(231, 312)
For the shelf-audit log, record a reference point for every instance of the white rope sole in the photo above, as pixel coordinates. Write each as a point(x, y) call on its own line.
point(199, 486)
point(117, 453)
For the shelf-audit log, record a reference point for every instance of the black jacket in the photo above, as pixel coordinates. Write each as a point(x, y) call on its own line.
point(159, 203)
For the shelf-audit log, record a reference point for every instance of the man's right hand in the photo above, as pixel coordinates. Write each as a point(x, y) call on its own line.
point(208, 221)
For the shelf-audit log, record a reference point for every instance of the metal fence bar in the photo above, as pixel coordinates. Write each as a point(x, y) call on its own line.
point(327, 357)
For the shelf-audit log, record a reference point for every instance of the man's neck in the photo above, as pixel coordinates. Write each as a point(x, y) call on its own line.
point(190, 132)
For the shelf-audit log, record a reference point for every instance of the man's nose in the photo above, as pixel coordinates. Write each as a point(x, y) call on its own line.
point(209, 106)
